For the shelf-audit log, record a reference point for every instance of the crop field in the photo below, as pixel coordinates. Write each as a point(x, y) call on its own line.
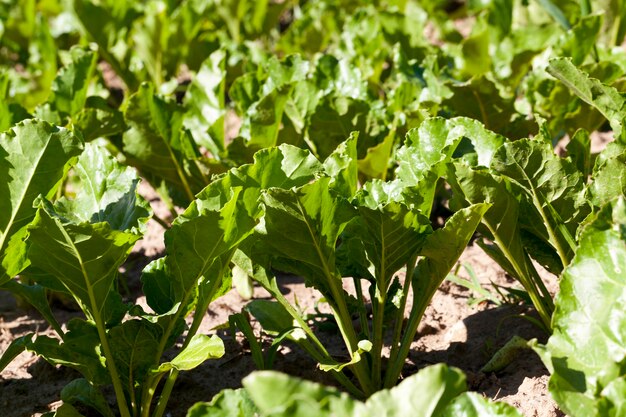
point(292, 208)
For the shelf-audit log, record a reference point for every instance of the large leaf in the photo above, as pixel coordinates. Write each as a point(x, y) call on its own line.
point(134, 345)
point(605, 98)
point(587, 351)
point(553, 200)
point(83, 257)
point(300, 231)
point(33, 159)
point(108, 193)
point(392, 235)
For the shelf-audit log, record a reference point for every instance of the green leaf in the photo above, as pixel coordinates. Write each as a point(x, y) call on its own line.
point(34, 157)
point(392, 235)
point(84, 257)
point(134, 345)
point(108, 193)
point(10, 113)
point(37, 297)
point(502, 226)
point(200, 349)
point(81, 391)
point(300, 231)
point(579, 151)
point(106, 25)
point(435, 143)
point(553, 203)
point(227, 403)
point(158, 287)
point(334, 120)
point(16, 347)
point(80, 350)
point(69, 88)
point(271, 315)
point(578, 42)
point(444, 246)
point(278, 394)
point(471, 404)
point(200, 236)
point(157, 144)
point(606, 99)
point(609, 181)
point(425, 393)
point(97, 119)
point(342, 166)
point(205, 102)
point(587, 350)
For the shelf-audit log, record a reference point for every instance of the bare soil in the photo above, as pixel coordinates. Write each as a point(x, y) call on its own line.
point(453, 331)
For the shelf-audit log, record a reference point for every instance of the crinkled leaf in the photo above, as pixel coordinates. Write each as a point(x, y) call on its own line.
point(553, 203)
point(342, 167)
point(609, 181)
point(108, 193)
point(33, 159)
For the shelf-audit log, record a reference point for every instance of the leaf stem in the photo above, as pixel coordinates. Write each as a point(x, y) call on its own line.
point(397, 331)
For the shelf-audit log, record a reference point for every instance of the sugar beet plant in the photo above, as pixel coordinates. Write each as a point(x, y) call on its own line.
point(76, 246)
point(323, 229)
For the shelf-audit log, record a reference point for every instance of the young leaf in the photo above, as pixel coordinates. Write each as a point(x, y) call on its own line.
point(200, 349)
point(33, 158)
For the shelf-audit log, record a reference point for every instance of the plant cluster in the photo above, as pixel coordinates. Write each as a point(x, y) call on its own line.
point(316, 139)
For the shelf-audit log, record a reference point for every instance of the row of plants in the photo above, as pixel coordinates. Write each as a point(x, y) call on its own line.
point(313, 138)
